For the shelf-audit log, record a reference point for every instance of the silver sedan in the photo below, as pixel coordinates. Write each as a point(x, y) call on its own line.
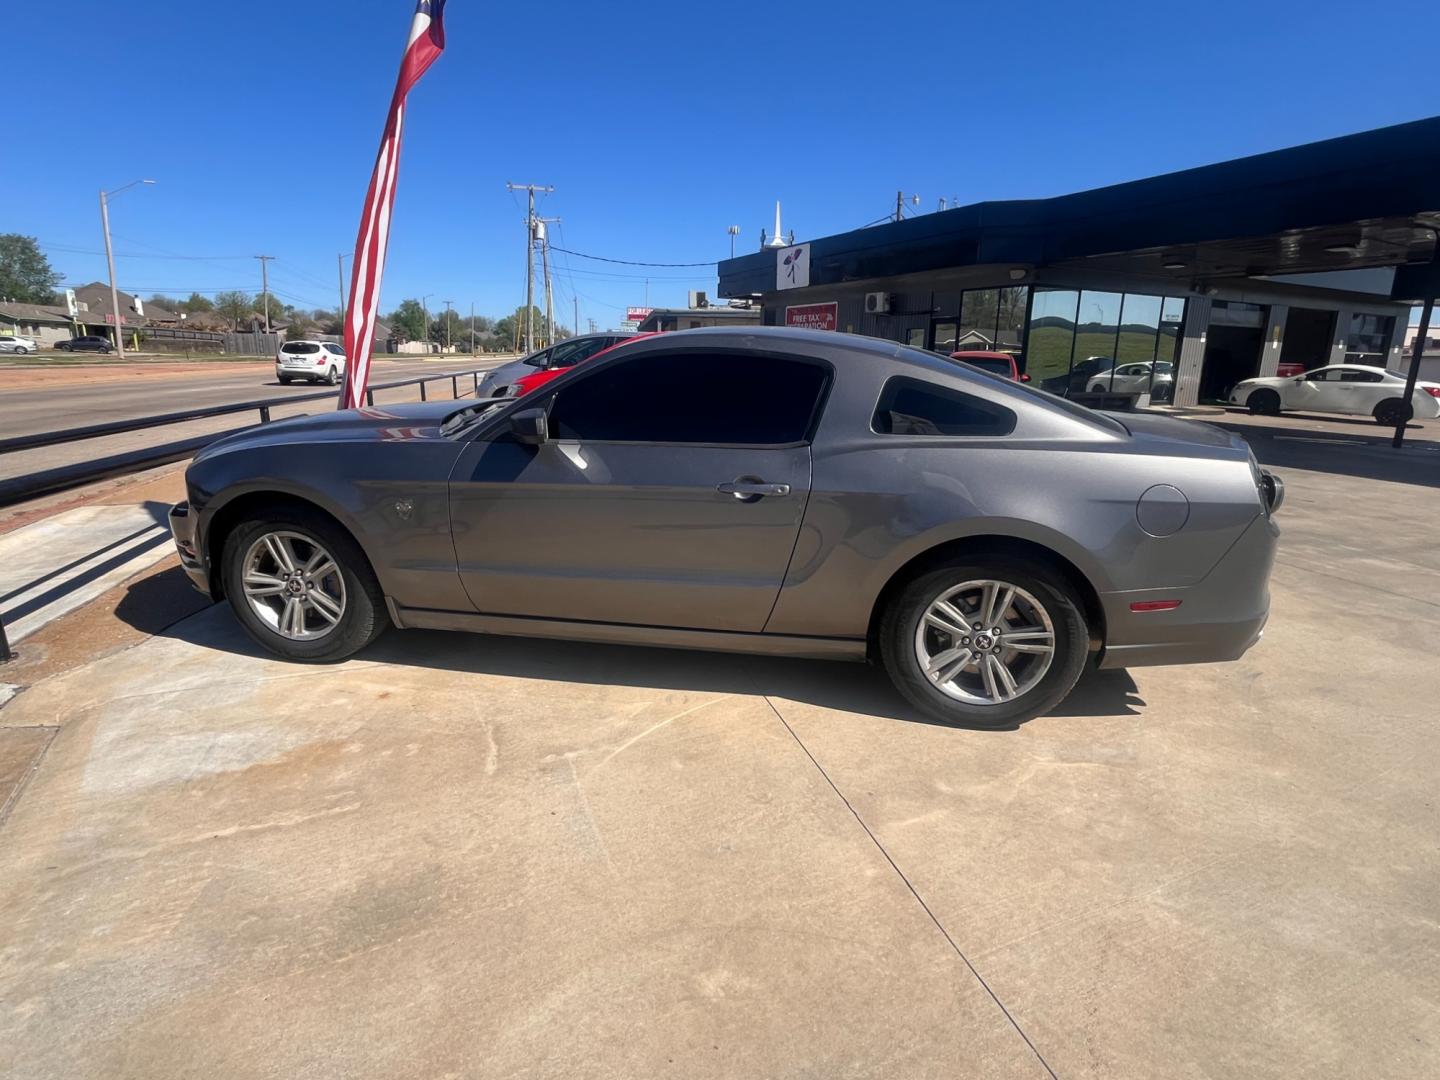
point(778, 491)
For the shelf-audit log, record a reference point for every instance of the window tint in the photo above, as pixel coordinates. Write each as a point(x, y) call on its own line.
point(300, 347)
point(1360, 376)
point(564, 356)
point(693, 398)
point(1322, 375)
point(912, 407)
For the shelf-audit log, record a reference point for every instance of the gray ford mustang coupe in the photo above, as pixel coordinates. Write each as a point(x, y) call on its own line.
point(778, 491)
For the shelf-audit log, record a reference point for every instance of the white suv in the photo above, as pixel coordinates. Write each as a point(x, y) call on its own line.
point(16, 344)
point(313, 361)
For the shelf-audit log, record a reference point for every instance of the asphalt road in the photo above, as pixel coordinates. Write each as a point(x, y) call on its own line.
point(33, 401)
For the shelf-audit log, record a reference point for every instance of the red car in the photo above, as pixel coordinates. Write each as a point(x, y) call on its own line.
point(523, 385)
point(999, 363)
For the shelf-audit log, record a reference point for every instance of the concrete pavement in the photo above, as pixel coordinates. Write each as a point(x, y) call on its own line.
point(486, 857)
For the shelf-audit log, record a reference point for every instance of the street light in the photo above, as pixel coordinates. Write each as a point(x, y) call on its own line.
point(425, 311)
point(734, 231)
point(110, 260)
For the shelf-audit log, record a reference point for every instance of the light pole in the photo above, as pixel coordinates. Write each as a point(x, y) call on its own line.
point(734, 231)
point(425, 313)
point(110, 259)
point(448, 305)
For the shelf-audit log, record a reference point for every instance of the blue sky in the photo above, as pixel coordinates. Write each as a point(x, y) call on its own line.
point(658, 124)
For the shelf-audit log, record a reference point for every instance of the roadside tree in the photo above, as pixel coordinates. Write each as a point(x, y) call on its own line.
point(25, 272)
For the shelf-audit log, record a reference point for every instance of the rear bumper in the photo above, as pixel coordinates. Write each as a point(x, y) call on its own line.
point(1218, 619)
point(182, 528)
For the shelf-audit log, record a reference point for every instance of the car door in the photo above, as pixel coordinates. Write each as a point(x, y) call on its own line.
point(1311, 391)
point(1362, 389)
point(669, 493)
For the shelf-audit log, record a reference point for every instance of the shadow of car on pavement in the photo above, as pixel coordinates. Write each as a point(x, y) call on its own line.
point(845, 687)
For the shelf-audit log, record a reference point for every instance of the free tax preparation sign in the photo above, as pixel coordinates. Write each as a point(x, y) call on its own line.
point(813, 316)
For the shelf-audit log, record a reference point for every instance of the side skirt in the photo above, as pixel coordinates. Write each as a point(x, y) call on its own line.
point(816, 648)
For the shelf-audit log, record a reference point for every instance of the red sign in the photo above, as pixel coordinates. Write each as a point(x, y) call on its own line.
point(110, 319)
point(637, 314)
point(813, 316)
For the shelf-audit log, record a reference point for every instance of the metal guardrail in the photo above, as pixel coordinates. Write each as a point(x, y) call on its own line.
point(49, 481)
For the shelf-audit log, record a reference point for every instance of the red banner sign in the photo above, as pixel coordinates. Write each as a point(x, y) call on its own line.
point(813, 316)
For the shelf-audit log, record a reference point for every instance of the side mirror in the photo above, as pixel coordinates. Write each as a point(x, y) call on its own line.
point(1024, 378)
point(531, 426)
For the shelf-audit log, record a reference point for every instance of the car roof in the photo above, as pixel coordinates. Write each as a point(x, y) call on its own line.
point(980, 354)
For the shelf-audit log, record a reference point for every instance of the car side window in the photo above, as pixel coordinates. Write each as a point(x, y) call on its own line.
point(572, 356)
point(1322, 375)
point(1360, 376)
point(913, 407)
point(692, 398)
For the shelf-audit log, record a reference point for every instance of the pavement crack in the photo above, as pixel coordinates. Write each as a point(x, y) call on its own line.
point(913, 891)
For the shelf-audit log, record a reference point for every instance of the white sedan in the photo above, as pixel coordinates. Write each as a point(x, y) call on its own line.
point(1135, 379)
point(14, 343)
point(1354, 389)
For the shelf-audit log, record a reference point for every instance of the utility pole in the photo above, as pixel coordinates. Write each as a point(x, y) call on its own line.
point(425, 312)
point(530, 189)
point(545, 265)
point(447, 324)
point(265, 286)
point(472, 328)
point(900, 204)
point(110, 260)
point(340, 267)
point(577, 315)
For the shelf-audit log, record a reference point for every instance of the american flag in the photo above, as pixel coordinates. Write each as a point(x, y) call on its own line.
point(427, 41)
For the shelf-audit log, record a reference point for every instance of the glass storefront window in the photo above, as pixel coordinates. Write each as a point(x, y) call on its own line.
point(915, 337)
point(1010, 327)
point(977, 319)
point(1368, 341)
point(1050, 339)
point(1139, 327)
point(944, 337)
point(1096, 329)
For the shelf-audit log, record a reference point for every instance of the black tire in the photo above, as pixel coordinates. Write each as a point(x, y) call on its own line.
point(105, 350)
point(363, 618)
point(65, 347)
point(284, 380)
point(1098, 388)
point(1263, 403)
point(21, 350)
point(332, 378)
point(1392, 412)
point(902, 617)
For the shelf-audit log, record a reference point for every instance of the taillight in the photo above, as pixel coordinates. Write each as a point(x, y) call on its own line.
point(1433, 391)
point(1154, 605)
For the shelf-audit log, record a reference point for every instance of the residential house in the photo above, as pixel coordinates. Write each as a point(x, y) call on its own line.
point(46, 323)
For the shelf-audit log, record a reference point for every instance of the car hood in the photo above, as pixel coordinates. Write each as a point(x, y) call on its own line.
point(1171, 434)
point(507, 373)
point(410, 422)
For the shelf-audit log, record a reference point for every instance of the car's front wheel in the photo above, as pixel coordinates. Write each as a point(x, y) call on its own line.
point(65, 347)
point(301, 586)
point(1263, 403)
point(984, 644)
point(21, 350)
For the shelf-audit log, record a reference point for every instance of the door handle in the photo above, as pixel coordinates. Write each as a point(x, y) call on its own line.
point(748, 490)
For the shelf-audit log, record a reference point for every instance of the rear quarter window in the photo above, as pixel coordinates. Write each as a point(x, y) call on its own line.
point(915, 407)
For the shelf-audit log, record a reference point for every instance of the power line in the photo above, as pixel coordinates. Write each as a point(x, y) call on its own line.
point(629, 262)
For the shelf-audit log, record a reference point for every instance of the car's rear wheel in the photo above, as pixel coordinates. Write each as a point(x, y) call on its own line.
point(984, 644)
point(332, 377)
point(301, 586)
point(284, 380)
point(1392, 412)
point(1263, 403)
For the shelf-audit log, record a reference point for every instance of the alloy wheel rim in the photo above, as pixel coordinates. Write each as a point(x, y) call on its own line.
point(293, 585)
point(985, 642)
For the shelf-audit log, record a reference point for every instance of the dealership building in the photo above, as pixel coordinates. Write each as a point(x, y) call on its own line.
point(1311, 255)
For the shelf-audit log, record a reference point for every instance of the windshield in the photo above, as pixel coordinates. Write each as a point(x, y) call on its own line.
point(462, 417)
